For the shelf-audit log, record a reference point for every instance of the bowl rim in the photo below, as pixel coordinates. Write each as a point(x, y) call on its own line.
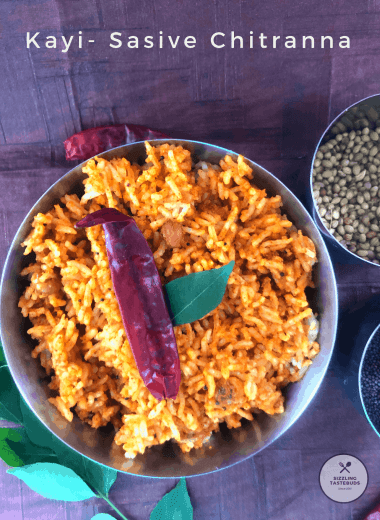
point(360, 375)
point(333, 295)
point(321, 227)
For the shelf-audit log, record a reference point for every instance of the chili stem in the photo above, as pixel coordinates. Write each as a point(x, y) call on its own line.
point(112, 505)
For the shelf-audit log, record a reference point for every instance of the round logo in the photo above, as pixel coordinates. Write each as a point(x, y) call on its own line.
point(343, 478)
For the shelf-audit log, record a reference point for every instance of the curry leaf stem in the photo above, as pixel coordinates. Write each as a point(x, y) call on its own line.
point(100, 495)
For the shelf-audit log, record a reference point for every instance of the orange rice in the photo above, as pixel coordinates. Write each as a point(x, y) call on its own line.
point(234, 361)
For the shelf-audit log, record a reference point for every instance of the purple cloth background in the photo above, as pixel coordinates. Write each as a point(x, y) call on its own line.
point(271, 105)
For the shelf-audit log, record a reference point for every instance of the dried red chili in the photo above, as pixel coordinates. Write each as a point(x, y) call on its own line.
point(374, 514)
point(138, 290)
point(93, 141)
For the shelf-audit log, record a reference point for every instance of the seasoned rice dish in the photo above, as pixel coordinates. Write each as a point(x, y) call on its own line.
point(234, 361)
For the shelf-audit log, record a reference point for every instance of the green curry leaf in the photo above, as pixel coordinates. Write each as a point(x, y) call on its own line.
point(16, 449)
point(175, 505)
point(54, 481)
point(8, 454)
point(37, 432)
point(193, 296)
point(9, 397)
point(99, 477)
point(2, 356)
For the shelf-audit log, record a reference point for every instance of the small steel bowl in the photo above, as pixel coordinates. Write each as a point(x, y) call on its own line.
point(227, 446)
point(370, 107)
point(369, 380)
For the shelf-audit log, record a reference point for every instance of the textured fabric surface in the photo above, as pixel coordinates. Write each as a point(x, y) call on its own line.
point(271, 105)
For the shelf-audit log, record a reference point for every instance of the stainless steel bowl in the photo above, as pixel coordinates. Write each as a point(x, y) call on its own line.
point(369, 380)
point(227, 446)
point(370, 107)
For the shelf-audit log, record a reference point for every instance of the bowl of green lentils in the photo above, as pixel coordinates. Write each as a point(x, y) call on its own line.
point(345, 181)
